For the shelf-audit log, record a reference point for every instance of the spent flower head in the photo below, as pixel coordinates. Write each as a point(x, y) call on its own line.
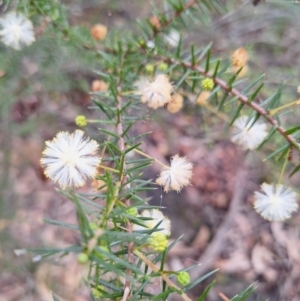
point(177, 175)
point(155, 216)
point(175, 104)
point(70, 159)
point(16, 30)
point(247, 134)
point(157, 93)
point(99, 32)
point(239, 57)
point(275, 202)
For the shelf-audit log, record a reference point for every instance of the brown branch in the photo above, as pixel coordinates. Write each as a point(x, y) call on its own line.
point(241, 97)
point(176, 15)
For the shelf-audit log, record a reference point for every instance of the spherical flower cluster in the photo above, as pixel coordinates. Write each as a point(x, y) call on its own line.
point(99, 32)
point(175, 104)
point(157, 93)
point(207, 84)
point(203, 97)
point(247, 134)
point(80, 120)
point(154, 218)
point(172, 38)
point(238, 60)
point(132, 211)
point(99, 85)
point(82, 258)
point(275, 202)
point(163, 67)
point(183, 278)
point(149, 68)
point(177, 175)
point(70, 159)
point(16, 30)
point(158, 242)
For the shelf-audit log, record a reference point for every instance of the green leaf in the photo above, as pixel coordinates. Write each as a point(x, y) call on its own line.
point(277, 151)
point(61, 224)
point(236, 113)
point(216, 68)
point(207, 60)
point(243, 296)
point(295, 170)
point(194, 283)
point(292, 130)
point(54, 297)
point(206, 291)
point(254, 94)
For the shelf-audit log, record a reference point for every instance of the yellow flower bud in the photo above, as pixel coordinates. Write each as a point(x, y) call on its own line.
point(80, 121)
point(149, 68)
point(158, 242)
point(183, 278)
point(132, 211)
point(207, 84)
point(82, 258)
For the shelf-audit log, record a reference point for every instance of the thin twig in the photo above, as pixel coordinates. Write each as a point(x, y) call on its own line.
point(240, 96)
point(163, 276)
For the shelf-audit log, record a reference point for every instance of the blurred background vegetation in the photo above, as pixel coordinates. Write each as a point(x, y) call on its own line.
point(45, 86)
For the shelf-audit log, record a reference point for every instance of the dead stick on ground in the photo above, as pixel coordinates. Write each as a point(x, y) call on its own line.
point(216, 246)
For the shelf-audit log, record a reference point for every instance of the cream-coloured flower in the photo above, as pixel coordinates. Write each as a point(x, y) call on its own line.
point(172, 38)
point(157, 93)
point(246, 135)
point(141, 84)
point(16, 30)
point(177, 175)
point(70, 159)
point(155, 216)
point(276, 203)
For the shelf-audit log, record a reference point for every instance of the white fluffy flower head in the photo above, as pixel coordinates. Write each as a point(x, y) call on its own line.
point(70, 159)
point(276, 203)
point(177, 175)
point(173, 38)
point(246, 135)
point(157, 93)
point(156, 217)
point(16, 30)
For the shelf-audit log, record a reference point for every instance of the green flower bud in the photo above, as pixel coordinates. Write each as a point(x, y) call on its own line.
point(93, 226)
point(105, 249)
point(207, 84)
point(163, 67)
point(149, 68)
point(158, 242)
point(82, 258)
point(80, 120)
point(97, 291)
point(132, 211)
point(183, 278)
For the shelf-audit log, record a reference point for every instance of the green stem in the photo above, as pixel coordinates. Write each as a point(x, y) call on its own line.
point(274, 111)
point(283, 168)
point(108, 168)
point(149, 157)
point(157, 270)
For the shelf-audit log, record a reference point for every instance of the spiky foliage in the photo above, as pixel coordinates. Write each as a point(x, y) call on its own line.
point(121, 59)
